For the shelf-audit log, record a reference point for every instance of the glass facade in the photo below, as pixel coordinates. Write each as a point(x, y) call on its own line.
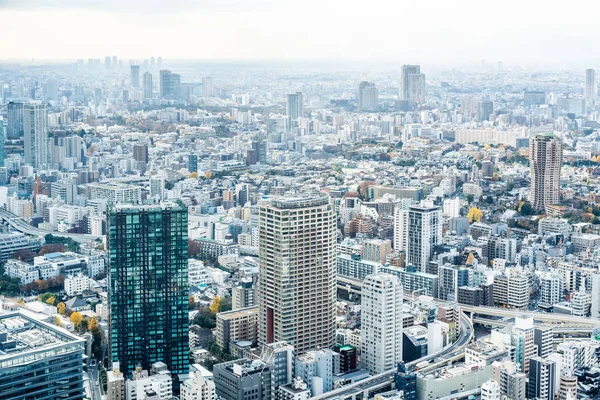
point(148, 288)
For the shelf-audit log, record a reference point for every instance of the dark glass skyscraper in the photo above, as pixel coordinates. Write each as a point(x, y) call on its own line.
point(148, 290)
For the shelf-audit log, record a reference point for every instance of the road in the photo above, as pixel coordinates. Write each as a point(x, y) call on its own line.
point(22, 226)
point(537, 316)
point(385, 379)
point(94, 381)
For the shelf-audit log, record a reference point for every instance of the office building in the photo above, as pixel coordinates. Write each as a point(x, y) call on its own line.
point(542, 381)
point(294, 108)
point(148, 290)
point(316, 368)
point(236, 325)
point(567, 387)
point(545, 158)
point(348, 357)
point(135, 76)
point(595, 308)
point(153, 384)
point(170, 85)
point(114, 193)
point(412, 86)
point(35, 136)
point(39, 360)
point(302, 227)
point(148, 88)
point(590, 86)
point(381, 323)
point(140, 152)
point(235, 380)
point(413, 280)
point(16, 118)
point(484, 110)
point(406, 381)
point(543, 337)
point(279, 356)
point(424, 233)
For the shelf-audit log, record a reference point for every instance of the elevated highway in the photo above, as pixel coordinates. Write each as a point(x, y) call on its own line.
point(382, 381)
point(540, 317)
point(23, 226)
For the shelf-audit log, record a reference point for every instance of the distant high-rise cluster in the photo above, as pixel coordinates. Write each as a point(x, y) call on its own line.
point(170, 84)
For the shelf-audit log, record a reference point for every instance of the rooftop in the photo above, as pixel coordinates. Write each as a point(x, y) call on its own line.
point(23, 339)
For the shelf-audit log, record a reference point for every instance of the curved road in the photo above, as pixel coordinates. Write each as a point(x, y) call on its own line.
point(22, 226)
point(385, 379)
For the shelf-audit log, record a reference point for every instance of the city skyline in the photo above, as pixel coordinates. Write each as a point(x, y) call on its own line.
point(244, 31)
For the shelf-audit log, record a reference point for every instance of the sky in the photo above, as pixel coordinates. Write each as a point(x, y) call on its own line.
point(431, 31)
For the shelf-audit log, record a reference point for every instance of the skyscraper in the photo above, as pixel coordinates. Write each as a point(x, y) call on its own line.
point(424, 233)
point(297, 246)
point(147, 85)
point(107, 62)
point(545, 158)
point(590, 85)
point(15, 128)
point(140, 152)
point(381, 322)
point(148, 292)
point(35, 126)
point(135, 76)
point(294, 107)
point(170, 84)
point(368, 98)
point(207, 87)
point(484, 110)
point(413, 84)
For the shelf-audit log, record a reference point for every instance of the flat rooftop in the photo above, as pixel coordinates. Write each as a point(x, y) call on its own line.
point(23, 339)
point(241, 312)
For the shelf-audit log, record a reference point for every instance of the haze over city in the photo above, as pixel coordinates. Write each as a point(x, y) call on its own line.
point(299, 200)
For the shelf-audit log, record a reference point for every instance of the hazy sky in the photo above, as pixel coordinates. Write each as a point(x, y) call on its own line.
point(446, 31)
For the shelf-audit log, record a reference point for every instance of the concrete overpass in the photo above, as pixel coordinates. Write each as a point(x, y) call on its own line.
point(540, 317)
point(383, 381)
point(23, 226)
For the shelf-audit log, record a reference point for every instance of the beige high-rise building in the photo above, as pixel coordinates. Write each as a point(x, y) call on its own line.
point(297, 252)
point(545, 158)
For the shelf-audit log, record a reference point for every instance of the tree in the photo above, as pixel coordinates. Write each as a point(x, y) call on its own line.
point(61, 307)
point(93, 323)
point(215, 307)
point(205, 318)
point(45, 296)
point(24, 255)
point(193, 248)
point(470, 259)
point(76, 318)
point(474, 214)
point(525, 209)
point(225, 304)
point(97, 340)
point(51, 300)
point(191, 302)
point(52, 248)
point(470, 198)
point(194, 175)
point(57, 321)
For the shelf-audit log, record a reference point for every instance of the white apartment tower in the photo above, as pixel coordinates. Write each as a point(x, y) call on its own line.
point(297, 289)
point(545, 158)
point(381, 322)
point(590, 86)
point(424, 233)
point(35, 138)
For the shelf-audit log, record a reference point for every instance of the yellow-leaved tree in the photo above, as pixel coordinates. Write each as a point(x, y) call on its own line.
point(76, 318)
point(51, 300)
point(470, 259)
point(61, 307)
point(215, 305)
point(474, 214)
point(93, 323)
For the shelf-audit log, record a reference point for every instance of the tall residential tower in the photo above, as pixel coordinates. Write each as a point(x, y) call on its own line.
point(297, 246)
point(545, 158)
